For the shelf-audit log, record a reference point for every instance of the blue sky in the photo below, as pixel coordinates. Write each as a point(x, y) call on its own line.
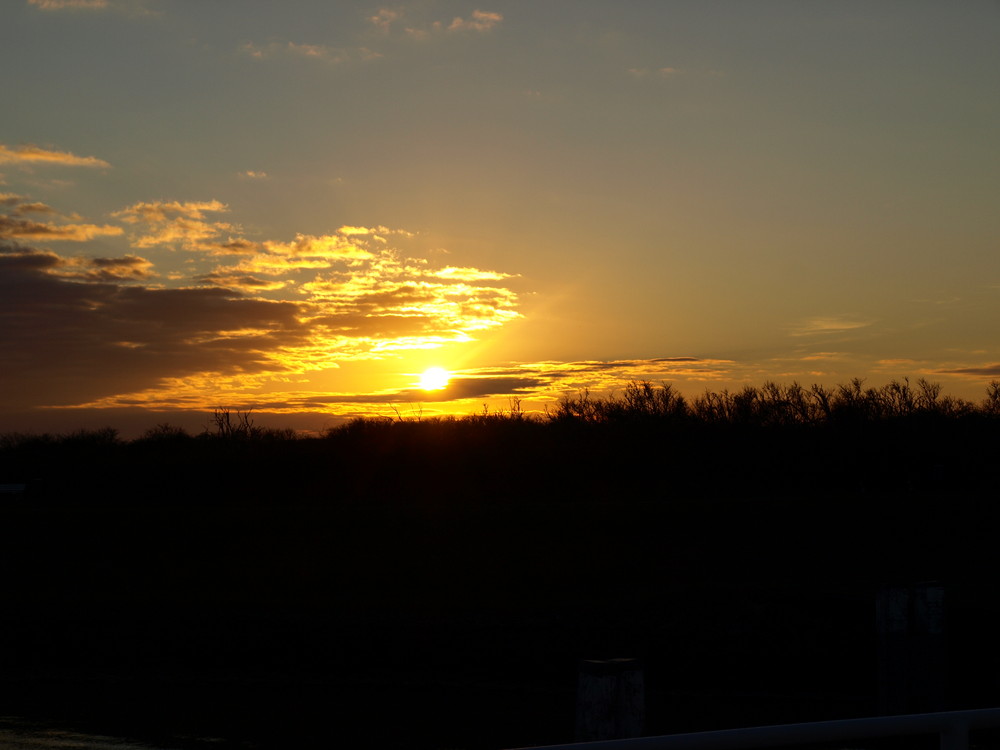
point(302, 206)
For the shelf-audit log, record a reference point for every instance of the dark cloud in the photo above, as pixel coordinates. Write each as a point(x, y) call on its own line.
point(237, 246)
point(34, 230)
point(460, 388)
point(67, 342)
point(239, 281)
point(33, 208)
point(127, 268)
point(987, 372)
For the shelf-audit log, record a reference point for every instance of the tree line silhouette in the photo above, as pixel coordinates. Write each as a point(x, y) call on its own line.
point(734, 541)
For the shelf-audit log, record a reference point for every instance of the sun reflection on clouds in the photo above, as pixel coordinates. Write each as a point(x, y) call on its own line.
point(199, 330)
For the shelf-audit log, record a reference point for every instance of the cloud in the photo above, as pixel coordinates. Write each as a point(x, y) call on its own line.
point(33, 230)
point(828, 325)
point(33, 208)
point(318, 52)
point(162, 211)
point(69, 4)
point(985, 371)
point(124, 269)
point(468, 274)
point(364, 300)
point(244, 282)
point(460, 388)
point(252, 175)
point(79, 268)
point(30, 154)
point(175, 223)
point(330, 246)
point(822, 356)
point(21, 207)
point(384, 18)
point(67, 342)
point(232, 246)
point(665, 72)
point(480, 21)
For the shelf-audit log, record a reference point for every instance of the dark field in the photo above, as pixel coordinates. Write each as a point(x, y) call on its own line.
point(434, 584)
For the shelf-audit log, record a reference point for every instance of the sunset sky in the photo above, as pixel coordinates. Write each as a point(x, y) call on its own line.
point(302, 206)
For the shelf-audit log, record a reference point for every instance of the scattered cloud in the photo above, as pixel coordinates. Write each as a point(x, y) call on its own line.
point(33, 208)
point(828, 325)
point(253, 175)
point(78, 268)
point(468, 274)
point(384, 18)
point(30, 154)
point(126, 268)
point(666, 72)
point(821, 356)
point(284, 310)
point(69, 4)
point(244, 283)
point(330, 246)
point(984, 371)
point(130, 7)
point(318, 52)
point(479, 21)
point(68, 342)
point(32, 230)
point(175, 223)
point(232, 246)
point(20, 206)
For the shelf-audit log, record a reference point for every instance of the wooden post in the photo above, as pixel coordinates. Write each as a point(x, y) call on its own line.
point(610, 700)
point(912, 654)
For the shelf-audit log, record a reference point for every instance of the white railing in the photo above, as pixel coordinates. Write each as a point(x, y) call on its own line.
point(952, 726)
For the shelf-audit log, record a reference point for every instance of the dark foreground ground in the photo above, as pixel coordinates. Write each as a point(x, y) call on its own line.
point(443, 598)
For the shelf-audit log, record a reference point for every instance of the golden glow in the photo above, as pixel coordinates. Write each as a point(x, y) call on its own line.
point(434, 379)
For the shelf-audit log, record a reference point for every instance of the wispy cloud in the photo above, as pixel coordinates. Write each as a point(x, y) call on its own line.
point(480, 20)
point(34, 208)
point(71, 342)
point(69, 4)
point(30, 154)
point(131, 7)
point(362, 300)
point(384, 18)
point(319, 52)
point(828, 325)
point(329, 246)
point(251, 174)
point(24, 229)
point(175, 223)
point(468, 274)
point(982, 371)
point(81, 268)
point(245, 283)
point(126, 268)
point(665, 72)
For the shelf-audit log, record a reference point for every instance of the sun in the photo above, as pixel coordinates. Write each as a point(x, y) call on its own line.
point(434, 378)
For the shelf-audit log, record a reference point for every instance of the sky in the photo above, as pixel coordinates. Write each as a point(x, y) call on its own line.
point(300, 207)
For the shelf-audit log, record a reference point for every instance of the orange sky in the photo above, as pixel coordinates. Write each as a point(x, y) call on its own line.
point(301, 207)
